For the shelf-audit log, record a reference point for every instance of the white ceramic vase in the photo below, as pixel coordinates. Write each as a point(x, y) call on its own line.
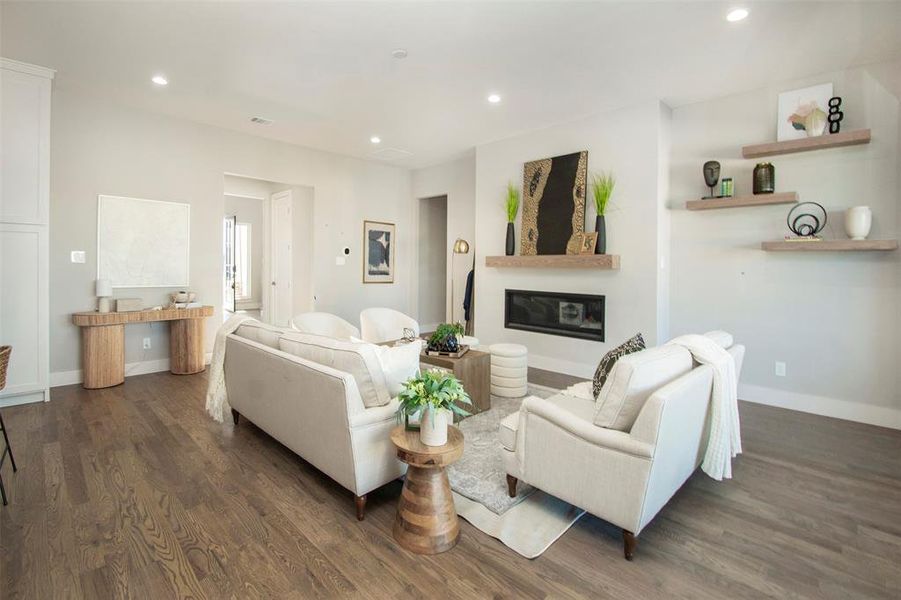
point(858, 220)
point(433, 427)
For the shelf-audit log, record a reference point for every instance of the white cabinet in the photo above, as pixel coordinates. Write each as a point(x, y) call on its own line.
point(24, 228)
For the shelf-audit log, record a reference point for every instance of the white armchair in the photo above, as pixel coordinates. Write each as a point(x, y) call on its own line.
point(385, 324)
point(623, 477)
point(327, 324)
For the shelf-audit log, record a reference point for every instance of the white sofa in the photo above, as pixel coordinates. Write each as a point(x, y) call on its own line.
point(325, 399)
point(622, 476)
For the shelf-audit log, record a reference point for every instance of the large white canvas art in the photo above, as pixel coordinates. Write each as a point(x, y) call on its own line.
point(143, 243)
point(796, 105)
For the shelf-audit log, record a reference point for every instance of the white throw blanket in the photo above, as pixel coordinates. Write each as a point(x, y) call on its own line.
point(216, 397)
point(724, 443)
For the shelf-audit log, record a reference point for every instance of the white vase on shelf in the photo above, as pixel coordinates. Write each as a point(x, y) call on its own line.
point(858, 220)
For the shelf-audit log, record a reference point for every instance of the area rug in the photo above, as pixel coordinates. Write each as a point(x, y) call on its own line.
point(527, 524)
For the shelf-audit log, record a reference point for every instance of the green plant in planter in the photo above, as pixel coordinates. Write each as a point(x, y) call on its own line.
point(602, 185)
point(445, 338)
point(511, 204)
point(431, 391)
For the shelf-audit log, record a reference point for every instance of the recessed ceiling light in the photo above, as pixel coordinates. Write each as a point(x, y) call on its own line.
point(399, 53)
point(375, 139)
point(736, 14)
point(159, 80)
point(494, 98)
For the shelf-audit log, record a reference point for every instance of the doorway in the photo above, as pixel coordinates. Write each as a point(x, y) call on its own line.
point(267, 249)
point(433, 253)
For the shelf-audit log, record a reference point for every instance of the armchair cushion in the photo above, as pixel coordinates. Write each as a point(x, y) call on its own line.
point(633, 379)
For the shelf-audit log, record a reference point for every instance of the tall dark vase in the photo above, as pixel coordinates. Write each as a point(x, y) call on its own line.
point(600, 225)
point(511, 240)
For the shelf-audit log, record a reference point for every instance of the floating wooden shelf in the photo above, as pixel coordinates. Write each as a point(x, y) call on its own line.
point(835, 140)
point(555, 261)
point(736, 201)
point(830, 246)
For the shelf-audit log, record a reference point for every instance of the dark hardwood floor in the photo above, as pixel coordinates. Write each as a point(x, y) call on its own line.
point(134, 492)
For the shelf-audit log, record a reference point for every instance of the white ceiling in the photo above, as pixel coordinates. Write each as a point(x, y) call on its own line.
point(324, 72)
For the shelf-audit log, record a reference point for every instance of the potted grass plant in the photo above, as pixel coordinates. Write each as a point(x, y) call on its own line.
point(511, 204)
point(602, 185)
point(433, 396)
point(446, 338)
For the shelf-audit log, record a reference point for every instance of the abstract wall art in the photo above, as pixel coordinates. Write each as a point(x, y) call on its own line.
point(553, 208)
point(378, 252)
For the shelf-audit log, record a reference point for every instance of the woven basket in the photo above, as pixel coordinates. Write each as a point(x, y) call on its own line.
point(5, 351)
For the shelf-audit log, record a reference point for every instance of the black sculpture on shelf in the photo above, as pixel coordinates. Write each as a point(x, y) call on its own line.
point(806, 224)
point(711, 175)
point(835, 114)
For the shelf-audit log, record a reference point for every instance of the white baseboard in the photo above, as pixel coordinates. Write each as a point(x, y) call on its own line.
point(59, 378)
point(29, 398)
point(821, 405)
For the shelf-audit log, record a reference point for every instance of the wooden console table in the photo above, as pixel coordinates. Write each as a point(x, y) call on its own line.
point(103, 342)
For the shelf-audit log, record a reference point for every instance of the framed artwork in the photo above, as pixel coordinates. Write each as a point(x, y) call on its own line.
point(553, 207)
point(378, 254)
point(802, 113)
point(589, 241)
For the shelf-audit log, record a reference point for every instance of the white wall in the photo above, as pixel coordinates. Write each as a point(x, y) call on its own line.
point(625, 142)
point(103, 148)
point(833, 318)
point(457, 181)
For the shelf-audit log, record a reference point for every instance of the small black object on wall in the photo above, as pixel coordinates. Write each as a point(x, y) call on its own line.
point(835, 114)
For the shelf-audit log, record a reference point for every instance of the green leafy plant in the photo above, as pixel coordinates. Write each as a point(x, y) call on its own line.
point(602, 185)
point(446, 337)
point(431, 391)
point(512, 202)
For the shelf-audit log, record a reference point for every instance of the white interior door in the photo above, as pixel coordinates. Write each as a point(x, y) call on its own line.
point(281, 293)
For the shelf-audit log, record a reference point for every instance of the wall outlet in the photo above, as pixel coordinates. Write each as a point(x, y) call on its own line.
point(146, 343)
point(77, 256)
point(780, 369)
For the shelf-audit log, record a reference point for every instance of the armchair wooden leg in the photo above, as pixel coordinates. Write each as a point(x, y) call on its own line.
point(511, 486)
point(236, 416)
point(629, 543)
point(360, 501)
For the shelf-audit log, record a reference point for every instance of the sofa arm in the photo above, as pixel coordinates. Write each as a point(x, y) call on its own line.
point(376, 414)
point(610, 439)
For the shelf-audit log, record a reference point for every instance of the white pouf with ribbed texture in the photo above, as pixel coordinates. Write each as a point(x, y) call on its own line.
point(509, 370)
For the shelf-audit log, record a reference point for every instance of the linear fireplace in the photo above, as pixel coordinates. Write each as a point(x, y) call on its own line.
point(570, 315)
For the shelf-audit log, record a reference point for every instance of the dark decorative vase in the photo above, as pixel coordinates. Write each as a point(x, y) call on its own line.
point(764, 178)
point(600, 225)
point(511, 240)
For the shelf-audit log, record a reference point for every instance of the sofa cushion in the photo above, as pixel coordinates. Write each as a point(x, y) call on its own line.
point(722, 338)
point(260, 332)
point(633, 344)
point(633, 379)
point(399, 363)
point(360, 360)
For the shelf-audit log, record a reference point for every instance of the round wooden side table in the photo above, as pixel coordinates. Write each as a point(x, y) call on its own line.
point(426, 521)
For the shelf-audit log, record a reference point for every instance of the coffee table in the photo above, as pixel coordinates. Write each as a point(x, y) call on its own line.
point(426, 521)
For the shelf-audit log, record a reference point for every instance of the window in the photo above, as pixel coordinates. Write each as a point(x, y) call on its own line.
point(243, 290)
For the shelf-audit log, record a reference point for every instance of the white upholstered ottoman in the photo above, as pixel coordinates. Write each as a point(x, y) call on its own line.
point(509, 370)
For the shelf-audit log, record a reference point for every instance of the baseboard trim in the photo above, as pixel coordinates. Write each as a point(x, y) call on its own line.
point(59, 378)
point(869, 414)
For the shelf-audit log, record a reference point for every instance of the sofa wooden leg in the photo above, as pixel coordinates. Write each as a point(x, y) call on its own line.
point(629, 543)
point(360, 501)
point(236, 416)
point(511, 486)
